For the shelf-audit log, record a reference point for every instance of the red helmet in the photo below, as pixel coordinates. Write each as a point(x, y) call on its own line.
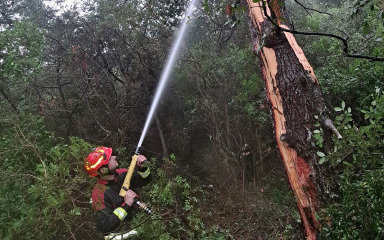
point(97, 158)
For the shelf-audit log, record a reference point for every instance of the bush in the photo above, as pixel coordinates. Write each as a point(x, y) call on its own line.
point(176, 208)
point(43, 183)
point(358, 211)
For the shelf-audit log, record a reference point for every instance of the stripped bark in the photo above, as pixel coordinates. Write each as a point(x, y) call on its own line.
point(295, 97)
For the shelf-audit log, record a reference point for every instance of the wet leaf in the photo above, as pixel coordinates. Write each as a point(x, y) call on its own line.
point(320, 154)
point(339, 118)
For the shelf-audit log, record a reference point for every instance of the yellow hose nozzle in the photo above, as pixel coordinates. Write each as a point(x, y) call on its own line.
point(127, 180)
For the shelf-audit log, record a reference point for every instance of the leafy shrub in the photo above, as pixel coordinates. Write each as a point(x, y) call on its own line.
point(42, 182)
point(176, 208)
point(358, 211)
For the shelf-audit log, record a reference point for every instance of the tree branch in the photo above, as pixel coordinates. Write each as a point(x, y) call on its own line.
point(344, 41)
point(94, 118)
point(328, 124)
point(14, 107)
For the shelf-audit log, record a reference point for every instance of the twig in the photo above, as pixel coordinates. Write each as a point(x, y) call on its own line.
point(94, 118)
point(37, 153)
point(18, 174)
point(306, 9)
point(69, 228)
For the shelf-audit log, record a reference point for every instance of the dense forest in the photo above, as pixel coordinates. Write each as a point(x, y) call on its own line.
point(75, 75)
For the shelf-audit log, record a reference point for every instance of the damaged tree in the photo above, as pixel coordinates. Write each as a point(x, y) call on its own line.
point(295, 97)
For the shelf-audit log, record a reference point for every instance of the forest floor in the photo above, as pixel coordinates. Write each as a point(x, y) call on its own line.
point(260, 211)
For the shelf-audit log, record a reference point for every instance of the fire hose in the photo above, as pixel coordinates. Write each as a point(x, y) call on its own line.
point(127, 182)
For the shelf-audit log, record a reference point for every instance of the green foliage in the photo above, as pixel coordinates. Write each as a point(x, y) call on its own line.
point(374, 9)
point(41, 179)
point(359, 209)
point(318, 135)
point(246, 97)
point(360, 212)
point(176, 206)
point(364, 142)
point(344, 78)
point(353, 82)
point(20, 60)
point(374, 14)
point(21, 51)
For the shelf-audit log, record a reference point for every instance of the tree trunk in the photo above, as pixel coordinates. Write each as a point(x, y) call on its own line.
point(295, 98)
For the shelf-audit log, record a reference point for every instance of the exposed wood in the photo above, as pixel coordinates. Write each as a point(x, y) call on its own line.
point(295, 97)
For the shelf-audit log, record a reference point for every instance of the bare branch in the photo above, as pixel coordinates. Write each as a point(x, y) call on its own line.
point(14, 107)
point(327, 123)
point(94, 118)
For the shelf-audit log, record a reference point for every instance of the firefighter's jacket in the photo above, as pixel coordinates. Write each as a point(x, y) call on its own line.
point(110, 206)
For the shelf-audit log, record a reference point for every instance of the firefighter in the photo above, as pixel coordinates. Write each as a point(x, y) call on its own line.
point(111, 208)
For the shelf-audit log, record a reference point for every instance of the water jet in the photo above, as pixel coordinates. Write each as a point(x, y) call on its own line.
point(167, 71)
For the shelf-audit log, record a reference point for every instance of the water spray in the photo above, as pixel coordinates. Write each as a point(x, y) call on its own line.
point(167, 71)
point(159, 91)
